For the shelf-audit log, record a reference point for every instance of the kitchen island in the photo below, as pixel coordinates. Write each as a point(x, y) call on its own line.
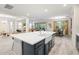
point(77, 41)
point(35, 43)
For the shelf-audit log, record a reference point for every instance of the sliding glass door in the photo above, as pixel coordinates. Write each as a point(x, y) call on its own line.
point(40, 26)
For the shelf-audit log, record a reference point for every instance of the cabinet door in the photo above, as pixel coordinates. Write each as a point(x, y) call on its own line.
point(53, 43)
point(77, 42)
point(27, 49)
point(53, 40)
point(50, 44)
point(46, 49)
point(77, 45)
point(40, 50)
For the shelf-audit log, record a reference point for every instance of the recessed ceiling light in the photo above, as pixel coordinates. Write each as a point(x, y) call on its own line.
point(65, 5)
point(45, 10)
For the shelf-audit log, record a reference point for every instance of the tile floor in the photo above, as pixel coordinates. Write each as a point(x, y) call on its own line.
point(63, 46)
point(6, 47)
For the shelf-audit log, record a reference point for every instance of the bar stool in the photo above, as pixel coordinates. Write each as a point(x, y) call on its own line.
point(13, 43)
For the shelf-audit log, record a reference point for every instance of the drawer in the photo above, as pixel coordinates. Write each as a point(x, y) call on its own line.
point(39, 44)
point(40, 50)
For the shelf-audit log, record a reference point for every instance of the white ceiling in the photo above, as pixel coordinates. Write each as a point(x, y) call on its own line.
point(37, 10)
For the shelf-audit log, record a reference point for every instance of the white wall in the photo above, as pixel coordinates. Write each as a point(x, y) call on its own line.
point(75, 24)
point(4, 27)
point(7, 25)
point(27, 25)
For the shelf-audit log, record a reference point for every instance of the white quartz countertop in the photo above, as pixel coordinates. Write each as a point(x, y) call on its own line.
point(33, 37)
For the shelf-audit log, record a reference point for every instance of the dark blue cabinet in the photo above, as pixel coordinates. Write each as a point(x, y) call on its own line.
point(77, 42)
point(39, 48)
point(36, 49)
point(49, 46)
